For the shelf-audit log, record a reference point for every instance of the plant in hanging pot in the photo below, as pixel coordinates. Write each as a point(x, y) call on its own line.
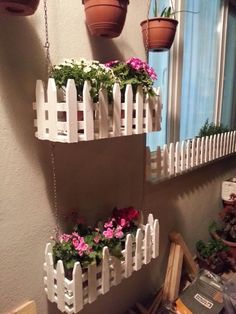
point(18, 7)
point(159, 32)
point(105, 18)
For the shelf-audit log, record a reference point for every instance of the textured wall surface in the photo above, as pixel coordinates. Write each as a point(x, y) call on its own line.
point(92, 177)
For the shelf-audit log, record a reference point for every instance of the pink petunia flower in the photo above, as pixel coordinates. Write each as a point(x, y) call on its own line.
point(65, 237)
point(109, 233)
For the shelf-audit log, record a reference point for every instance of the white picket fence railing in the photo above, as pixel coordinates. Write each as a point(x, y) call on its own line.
point(87, 285)
point(72, 121)
point(174, 159)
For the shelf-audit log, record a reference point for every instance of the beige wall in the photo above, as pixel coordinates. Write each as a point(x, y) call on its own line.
point(92, 177)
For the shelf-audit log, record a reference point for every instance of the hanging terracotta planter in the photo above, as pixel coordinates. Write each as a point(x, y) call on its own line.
point(159, 33)
point(105, 18)
point(18, 7)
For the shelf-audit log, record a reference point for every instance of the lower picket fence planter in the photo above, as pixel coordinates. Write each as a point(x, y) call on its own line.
point(86, 285)
point(72, 121)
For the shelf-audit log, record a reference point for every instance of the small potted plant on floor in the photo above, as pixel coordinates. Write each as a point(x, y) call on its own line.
point(18, 7)
point(227, 231)
point(215, 256)
point(105, 18)
point(159, 32)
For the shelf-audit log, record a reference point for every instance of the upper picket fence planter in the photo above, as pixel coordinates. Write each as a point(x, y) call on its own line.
point(73, 121)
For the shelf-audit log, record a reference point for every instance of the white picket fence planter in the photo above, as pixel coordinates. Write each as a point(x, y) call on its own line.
point(87, 285)
point(175, 159)
point(58, 121)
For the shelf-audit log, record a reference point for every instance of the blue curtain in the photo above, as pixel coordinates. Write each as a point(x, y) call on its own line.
point(159, 61)
point(200, 60)
point(229, 95)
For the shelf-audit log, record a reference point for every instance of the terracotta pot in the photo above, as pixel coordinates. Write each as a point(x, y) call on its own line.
point(231, 245)
point(159, 33)
point(105, 18)
point(18, 7)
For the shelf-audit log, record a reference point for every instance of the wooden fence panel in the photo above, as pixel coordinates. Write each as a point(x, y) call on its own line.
point(128, 110)
point(88, 113)
point(117, 110)
point(139, 111)
point(71, 112)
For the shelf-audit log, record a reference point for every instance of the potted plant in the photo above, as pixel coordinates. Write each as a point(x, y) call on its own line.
point(215, 256)
point(105, 18)
point(80, 71)
point(209, 129)
point(227, 231)
point(18, 7)
point(85, 244)
point(159, 32)
point(135, 72)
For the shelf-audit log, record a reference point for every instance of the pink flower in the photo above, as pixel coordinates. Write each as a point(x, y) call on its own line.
point(110, 64)
point(118, 233)
point(123, 222)
point(109, 224)
point(65, 237)
point(75, 242)
point(109, 233)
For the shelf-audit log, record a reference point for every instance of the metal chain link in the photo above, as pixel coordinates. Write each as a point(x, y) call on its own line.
point(48, 65)
point(47, 43)
point(54, 179)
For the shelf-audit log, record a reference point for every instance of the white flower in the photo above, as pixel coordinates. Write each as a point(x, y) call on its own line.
point(87, 69)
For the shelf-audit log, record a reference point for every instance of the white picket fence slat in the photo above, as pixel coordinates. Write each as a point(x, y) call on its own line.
point(72, 121)
point(85, 286)
point(174, 159)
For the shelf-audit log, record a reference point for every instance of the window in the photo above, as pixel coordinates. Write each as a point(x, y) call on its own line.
point(191, 74)
point(228, 116)
point(200, 65)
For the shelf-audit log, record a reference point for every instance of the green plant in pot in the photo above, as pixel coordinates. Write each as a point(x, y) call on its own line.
point(215, 256)
point(159, 32)
point(226, 231)
point(209, 129)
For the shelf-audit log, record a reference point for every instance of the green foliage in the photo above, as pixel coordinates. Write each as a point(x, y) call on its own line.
point(104, 76)
point(124, 74)
point(166, 12)
point(210, 129)
point(97, 74)
point(210, 248)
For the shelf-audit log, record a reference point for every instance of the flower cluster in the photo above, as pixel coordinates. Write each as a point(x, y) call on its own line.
point(134, 71)
point(83, 70)
point(139, 65)
point(85, 244)
point(77, 241)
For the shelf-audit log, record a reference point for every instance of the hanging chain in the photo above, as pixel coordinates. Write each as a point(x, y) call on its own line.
point(147, 29)
point(47, 44)
point(48, 65)
point(54, 179)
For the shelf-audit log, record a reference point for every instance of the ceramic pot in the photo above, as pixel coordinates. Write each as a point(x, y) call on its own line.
point(105, 18)
point(18, 7)
point(158, 33)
